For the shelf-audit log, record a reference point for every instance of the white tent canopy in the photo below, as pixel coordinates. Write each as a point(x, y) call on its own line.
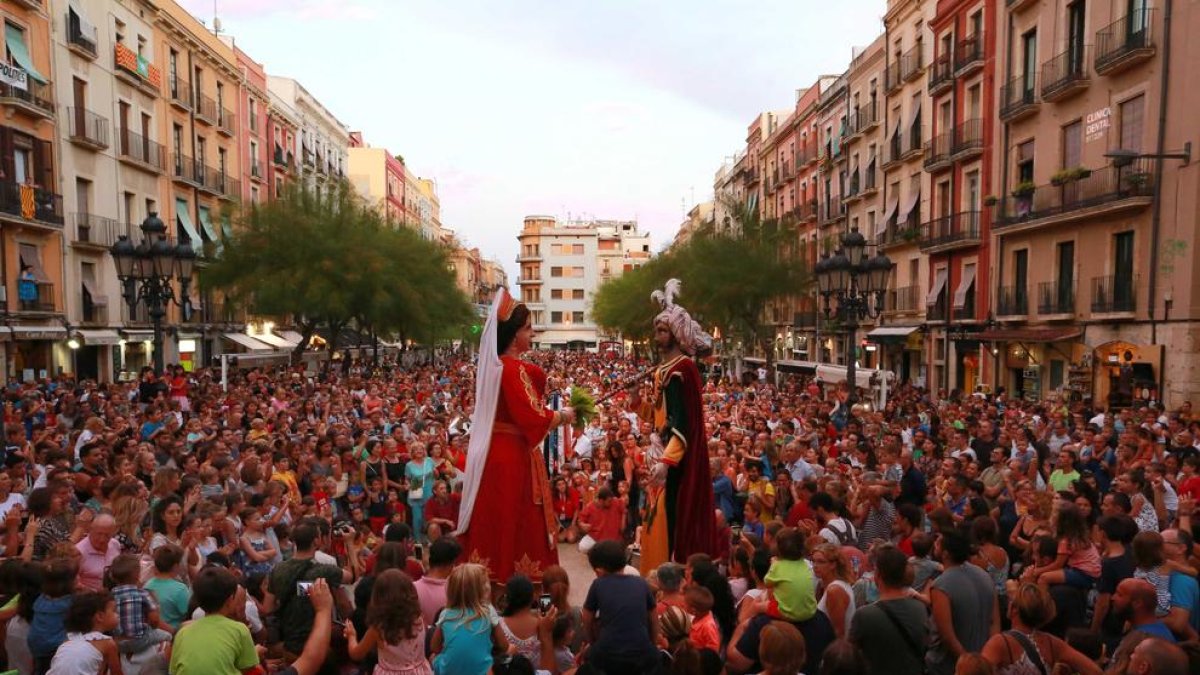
point(865, 378)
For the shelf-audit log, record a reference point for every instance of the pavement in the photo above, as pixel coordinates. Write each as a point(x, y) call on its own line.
point(576, 565)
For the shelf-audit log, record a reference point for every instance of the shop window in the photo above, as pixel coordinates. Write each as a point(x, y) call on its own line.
point(1057, 368)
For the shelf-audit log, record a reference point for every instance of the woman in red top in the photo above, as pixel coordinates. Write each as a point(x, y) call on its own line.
point(566, 508)
point(507, 521)
point(179, 388)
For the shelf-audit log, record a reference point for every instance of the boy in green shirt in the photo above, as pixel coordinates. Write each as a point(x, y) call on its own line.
point(218, 644)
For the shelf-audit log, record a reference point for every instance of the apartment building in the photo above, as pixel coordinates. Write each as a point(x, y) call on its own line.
point(378, 176)
point(957, 158)
point(905, 186)
point(253, 104)
point(429, 206)
point(323, 141)
point(1094, 256)
point(562, 265)
point(283, 131)
point(31, 203)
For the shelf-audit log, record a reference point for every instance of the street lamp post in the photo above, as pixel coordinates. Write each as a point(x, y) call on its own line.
point(858, 286)
point(147, 271)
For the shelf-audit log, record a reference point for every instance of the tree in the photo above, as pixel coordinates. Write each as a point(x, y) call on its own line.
point(729, 277)
point(328, 260)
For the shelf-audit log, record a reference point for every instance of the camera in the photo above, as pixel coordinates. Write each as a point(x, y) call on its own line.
point(344, 528)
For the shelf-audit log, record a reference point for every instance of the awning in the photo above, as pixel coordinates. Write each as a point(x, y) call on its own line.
point(801, 366)
point(891, 211)
point(754, 359)
point(292, 336)
point(94, 338)
point(863, 377)
point(226, 228)
point(275, 340)
point(1028, 334)
point(916, 112)
point(137, 335)
point(14, 37)
point(85, 27)
point(98, 299)
point(206, 224)
point(964, 286)
point(29, 255)
point(184, 218)
point(939, 282)
point(909, 202)
point(246, 341)
point(891, 334)
point(52, 333)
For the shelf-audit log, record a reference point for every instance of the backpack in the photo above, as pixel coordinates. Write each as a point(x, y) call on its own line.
point(847, 537)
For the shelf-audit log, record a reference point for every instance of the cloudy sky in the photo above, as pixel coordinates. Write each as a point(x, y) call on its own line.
point(612, 109)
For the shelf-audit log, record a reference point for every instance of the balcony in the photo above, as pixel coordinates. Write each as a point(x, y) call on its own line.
point(529, 280)
point(895, 151)
point(751, 177)
point(137, 70)
point(281, 159)
point(902, 233)
point(853, 188)
point(141, 152)
point(1066, 74)
point(206, 110)
point(832, 211)
point(937, 152)
point(214, 181)
point(864, 119)
point(187, 170)
point(96, 231)
point(903, 299)
point(891, 78)
point(180, 92)
point(256, 170)
point(1100, 192)
point(914, 148)
point(87, 129)
point(1012, 301)
point(228, 122)
point(1018, 98)
point(1125, 42)
point(968, 140)
point(1056, 300)
point(35, 99)
point(937, 312)
point(957, 230)
point(807, 211)
point(911, 63)
point(968, 56)
point(870, 180)
point(1018, 5)
point(92, 314)
point(31, 205)
point(38, 298)
point(82, 42)
point(36, 5)
point(941, 74)
point(1114, 295)
point(805, 318)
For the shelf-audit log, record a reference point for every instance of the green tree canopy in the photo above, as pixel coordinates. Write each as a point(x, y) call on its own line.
point(329, 260)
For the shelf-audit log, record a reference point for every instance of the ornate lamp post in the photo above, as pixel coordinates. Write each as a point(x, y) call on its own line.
point(147, 271)
point(858, 285)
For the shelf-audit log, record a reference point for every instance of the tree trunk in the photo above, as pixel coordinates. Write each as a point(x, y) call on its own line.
point(307, 329)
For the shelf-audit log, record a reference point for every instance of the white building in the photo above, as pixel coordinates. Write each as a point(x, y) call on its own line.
point(323, 155)
point(562, 265)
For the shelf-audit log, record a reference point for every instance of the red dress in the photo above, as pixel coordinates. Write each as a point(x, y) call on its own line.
point(513, 518)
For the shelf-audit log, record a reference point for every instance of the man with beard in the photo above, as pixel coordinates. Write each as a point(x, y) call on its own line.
point(1135, 601)
point(680, 517)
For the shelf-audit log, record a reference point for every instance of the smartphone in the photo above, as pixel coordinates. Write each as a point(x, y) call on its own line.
point(544, 603)
point(302, 588)
point(418, 552)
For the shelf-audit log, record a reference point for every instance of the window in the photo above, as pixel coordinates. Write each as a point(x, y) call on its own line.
point(221, 159)
point(1072, 145)
point(201, 149)
point(577, 294)
point(556, 317)
point(972, 191)
point(1021, 273)
point(576, 317)
point(83, 195)
point(141, 46)
point(130, 216)
point(1122, 293)
point(173, 69)
point(1056, 373)
point(556, 271)
point(1075, 36)
point(253, 115)
point(1132, 123)
point(1029, 63)
point(253, 194)
point(1025, 162)
point(151, 206)
point(119, 34)
point(556, 294)
point(577, 272)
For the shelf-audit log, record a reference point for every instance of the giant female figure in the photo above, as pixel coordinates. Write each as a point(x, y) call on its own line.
point(506, 520)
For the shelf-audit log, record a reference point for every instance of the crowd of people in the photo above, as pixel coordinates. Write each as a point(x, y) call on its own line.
point(305, 523)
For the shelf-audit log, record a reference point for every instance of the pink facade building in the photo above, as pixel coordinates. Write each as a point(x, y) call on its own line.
point(253, 103)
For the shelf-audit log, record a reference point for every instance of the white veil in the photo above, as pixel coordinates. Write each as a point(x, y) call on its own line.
point(487, 396)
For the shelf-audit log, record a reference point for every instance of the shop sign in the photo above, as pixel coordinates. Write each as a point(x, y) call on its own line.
point(39, 335)
point(14, 76)
point(1097, 124)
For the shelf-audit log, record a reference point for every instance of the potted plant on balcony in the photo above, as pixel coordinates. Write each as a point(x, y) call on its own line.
point(991, 200)
point(1060, 178)
point(1137, 182)
point(1024, 189)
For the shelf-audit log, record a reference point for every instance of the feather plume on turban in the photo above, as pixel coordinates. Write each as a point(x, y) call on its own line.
point(691, 337)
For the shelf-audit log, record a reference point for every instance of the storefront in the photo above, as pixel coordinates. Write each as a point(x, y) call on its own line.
point(1036, 363)
point(92, 353)
point(900, 350)
point(30, 351)
point(1125, 374)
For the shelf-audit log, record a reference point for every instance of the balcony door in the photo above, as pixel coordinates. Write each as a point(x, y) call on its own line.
point(1066, 277)
point(1123, 270)
point(79, 100)
point(1021, 279)
point(1075, 37)
point(1028, 64)
point(1137, 20)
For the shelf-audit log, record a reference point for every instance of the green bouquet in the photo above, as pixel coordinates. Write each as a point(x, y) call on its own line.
point(584, 405)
